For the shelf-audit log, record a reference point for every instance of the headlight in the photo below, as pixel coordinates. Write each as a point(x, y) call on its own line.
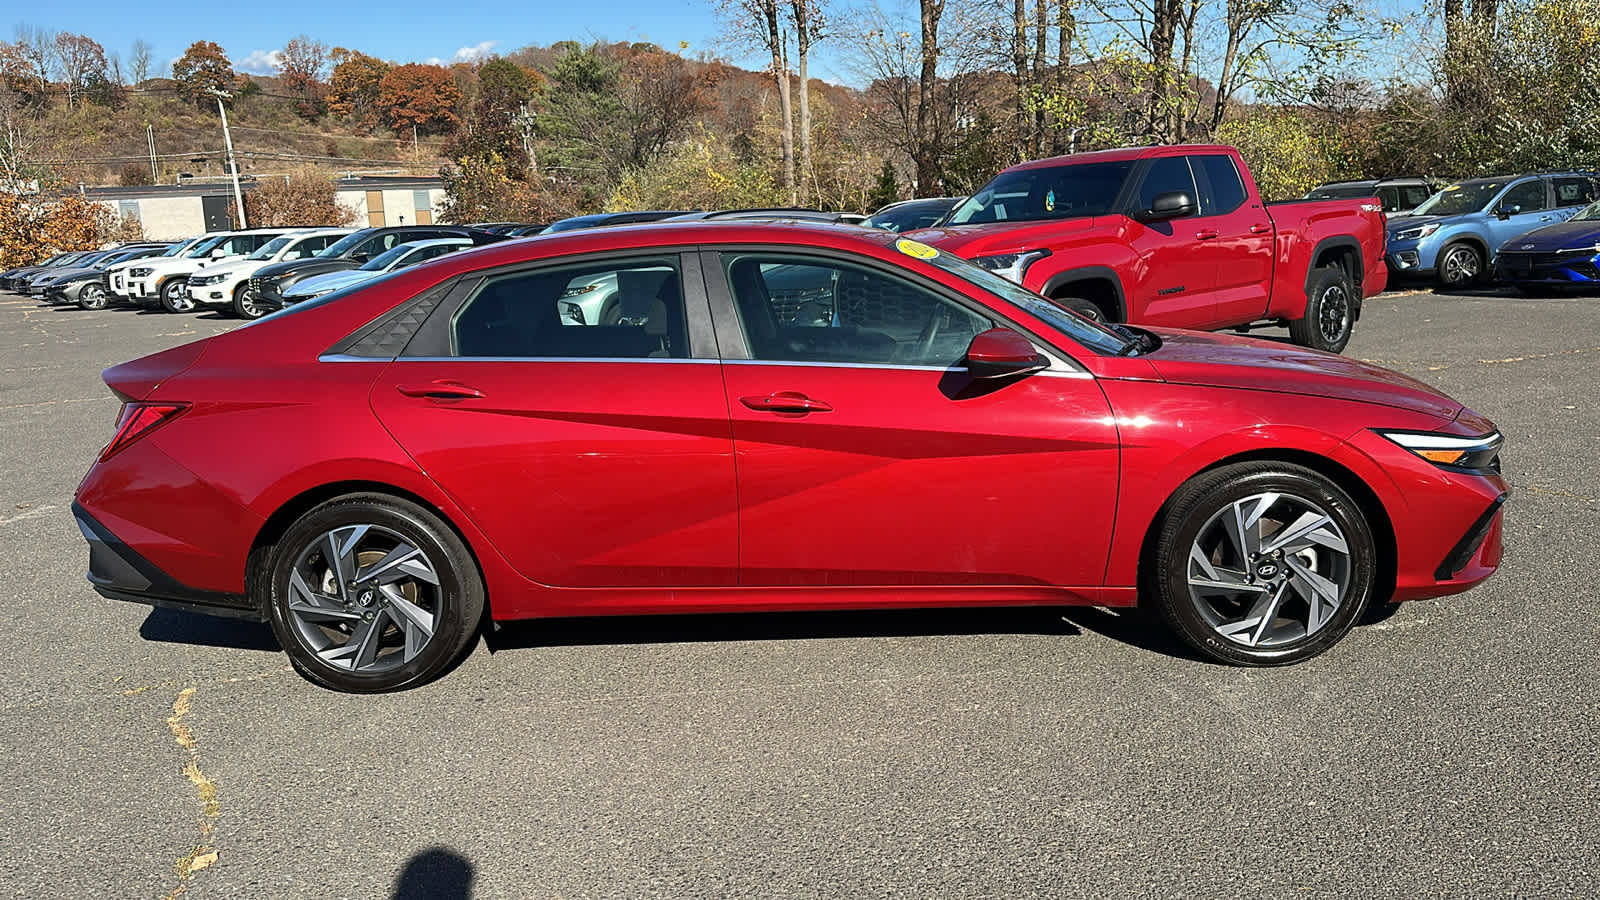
point(580, 289)
point(1417, 233)
point(1451, 450)
point(1011, 266)
point(141, 272)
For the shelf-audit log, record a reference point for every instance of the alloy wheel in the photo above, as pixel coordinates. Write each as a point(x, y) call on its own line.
point(364, 599)
point(177, 297)
point(1461, 265)
point(93, 296)
point(1268, 570)
point(1333, 316)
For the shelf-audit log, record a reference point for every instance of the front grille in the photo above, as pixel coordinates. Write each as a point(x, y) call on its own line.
point(1546, 265)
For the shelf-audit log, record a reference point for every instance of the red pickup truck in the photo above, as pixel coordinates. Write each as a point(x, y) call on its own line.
point(1175, 236)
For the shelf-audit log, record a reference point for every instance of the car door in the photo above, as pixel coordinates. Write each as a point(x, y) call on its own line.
point(868, 457)
point(1176, 273)
point(1523, 207)
point(1242, 247)
point(591, 456)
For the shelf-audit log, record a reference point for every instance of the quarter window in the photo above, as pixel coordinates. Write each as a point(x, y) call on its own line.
point(803, 309)
point(631, 310)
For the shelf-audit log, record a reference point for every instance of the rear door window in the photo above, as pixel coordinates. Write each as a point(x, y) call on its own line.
point(1574, 191)
point(1224, 190)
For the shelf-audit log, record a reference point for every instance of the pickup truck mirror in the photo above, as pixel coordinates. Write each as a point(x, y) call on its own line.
point(1507, 210)
point(1170, 205)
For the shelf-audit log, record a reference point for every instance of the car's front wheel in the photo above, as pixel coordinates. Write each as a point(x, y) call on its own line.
point(175, 295)
point(244, 303)
point(93, 296)
point(1460, 266)
point(370, 593)
point(1262, 564)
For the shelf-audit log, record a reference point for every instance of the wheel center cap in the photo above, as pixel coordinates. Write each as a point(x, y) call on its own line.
point(1268, 570)
point(367, 597)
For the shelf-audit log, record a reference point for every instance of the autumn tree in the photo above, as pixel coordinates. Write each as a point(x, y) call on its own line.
point(355, 86)
point(495, 123)
point(81, 62)
point(302, 68)
point(483, 189)
point(304, 197)
point(201, 71)
point(419, 96)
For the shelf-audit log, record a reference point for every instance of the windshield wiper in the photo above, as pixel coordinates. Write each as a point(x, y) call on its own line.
point(1138, 340)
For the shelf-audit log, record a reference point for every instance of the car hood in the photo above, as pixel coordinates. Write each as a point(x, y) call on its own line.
point(1414, 221)
point(329, 281)
point(304, 268)
point(1561, 236)
point(65, 274)
point(968, 241)
point(232, 265)
point(1231, 361)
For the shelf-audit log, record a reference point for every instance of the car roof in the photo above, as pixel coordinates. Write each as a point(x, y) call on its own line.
point(437, 242)
point(1121, 154)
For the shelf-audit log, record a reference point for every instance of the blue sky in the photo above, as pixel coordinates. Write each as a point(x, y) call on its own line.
point(401, 30)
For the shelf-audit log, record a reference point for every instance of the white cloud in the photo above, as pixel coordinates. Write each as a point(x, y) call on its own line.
point(472, 54)
point(262, 62)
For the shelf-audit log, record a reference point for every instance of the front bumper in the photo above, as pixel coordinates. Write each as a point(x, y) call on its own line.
point(117, 572)
point(1520, 267)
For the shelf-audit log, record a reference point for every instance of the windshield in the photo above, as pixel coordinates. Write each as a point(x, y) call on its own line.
point(1460, 199)
point(270, 248)
point(344, 244)
point(1344, 192)
point(179, 247)
point(1089, 334)
point(1589, 213)
point(571, 224)
point(387, 258)
point(909, 217)
point(1056, 192)
point(204, 247)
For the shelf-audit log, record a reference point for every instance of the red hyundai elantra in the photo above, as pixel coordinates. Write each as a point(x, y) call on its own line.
point(715, 417)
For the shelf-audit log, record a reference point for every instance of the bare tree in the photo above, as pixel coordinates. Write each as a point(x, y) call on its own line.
point(79, 58)
point(139, 61)
point(759, 24)
point(37, 47)
point(926, 155)
point(808, 29)
point(19, 138)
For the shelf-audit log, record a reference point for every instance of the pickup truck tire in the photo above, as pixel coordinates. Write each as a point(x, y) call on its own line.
point(1460, 265)
point(1083, 308)
point(1330, 312)
point(1261, 564)
point(175, 295)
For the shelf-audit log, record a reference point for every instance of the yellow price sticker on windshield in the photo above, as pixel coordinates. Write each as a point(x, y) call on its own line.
point(1453, 187)
point(915, 249)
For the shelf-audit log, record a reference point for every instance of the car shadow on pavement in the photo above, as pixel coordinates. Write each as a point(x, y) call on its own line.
point(437, 873)
point(1132, 627)
point(171, 626)
point(777, 626)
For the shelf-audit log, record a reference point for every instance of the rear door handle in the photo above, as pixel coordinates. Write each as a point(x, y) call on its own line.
point(1206, 235)
point(1259, 228)
point(785, 401)
point(439, 390)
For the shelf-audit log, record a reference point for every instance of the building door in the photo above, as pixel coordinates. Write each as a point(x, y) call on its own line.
point(215, 211)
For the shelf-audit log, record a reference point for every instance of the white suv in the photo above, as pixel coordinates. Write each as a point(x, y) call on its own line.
point(166, 279)
point(118, 279)
point(226, 283)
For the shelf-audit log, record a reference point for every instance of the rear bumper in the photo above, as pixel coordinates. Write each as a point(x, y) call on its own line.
point(118, 572)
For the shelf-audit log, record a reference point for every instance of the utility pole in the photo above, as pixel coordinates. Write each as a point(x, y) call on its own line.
point(413, 143)
point(524, 119)
point(150, 138)
point(233, 165)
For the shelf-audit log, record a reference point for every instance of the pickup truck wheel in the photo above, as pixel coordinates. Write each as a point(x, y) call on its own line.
point(175, 295)
point(1083, 308)
point(1330, 312)
point(1459, 266)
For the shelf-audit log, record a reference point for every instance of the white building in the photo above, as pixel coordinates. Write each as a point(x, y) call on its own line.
point(173, 211)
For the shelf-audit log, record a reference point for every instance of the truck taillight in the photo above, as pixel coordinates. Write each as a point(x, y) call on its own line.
point(138, 420)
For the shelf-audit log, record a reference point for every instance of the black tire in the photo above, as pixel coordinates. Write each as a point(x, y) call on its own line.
point(94, 296)
point(456, 603)
point(1330, 315)
point(175, 297)
point(1083, 308)
point(1199, 504)
point(611, 312)
point(1461, 265)
point(243, 306)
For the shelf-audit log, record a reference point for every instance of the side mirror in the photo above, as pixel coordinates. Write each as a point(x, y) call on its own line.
point(1169, 205)
point(1507, 210)
point(360, 257)
point(1001, 352)
point(218, 253)
point(292, 254)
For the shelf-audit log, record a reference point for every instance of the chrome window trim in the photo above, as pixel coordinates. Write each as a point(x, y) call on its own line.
point(346, 358)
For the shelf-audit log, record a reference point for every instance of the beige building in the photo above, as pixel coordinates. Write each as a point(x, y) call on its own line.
point(173, 211)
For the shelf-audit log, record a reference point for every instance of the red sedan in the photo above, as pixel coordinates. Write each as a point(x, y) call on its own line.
point(715, 417)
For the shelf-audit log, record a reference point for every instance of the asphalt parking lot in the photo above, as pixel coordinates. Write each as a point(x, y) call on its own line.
point(1445, 750)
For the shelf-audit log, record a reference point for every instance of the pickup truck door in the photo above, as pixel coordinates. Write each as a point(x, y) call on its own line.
point(1242, 247)
point(1175, 274)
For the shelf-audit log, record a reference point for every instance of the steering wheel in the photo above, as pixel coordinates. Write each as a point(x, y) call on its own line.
point(930, 333)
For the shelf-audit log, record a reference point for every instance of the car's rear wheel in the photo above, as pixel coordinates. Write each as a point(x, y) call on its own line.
point(93, 296)
point(1262, 564)
point(1460, 265)
point(175, 295)
point(244, 303)
point(371, 593)
point(1330, 312)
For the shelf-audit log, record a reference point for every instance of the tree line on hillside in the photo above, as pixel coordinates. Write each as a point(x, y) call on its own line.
point(949, 92)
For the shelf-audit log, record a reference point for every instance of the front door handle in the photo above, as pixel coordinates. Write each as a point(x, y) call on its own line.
point(439, 390)
point(1206, 235)
point(785, 401)
point(1260, 228)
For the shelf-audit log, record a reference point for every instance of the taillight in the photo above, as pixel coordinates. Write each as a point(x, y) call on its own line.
point(138, 420)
